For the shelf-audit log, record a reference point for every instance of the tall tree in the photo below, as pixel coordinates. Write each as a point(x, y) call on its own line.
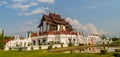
point(2, 42)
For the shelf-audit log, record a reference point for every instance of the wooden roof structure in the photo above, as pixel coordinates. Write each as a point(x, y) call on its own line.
point(54, 19)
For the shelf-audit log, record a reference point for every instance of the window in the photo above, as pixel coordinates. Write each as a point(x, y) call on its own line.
point(34, 42)
point(74, 40)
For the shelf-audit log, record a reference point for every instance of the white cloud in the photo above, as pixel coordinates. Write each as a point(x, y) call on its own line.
point(41, 10)
point(21, 31)
point(28, 7)
point(33, 3)
point(24, 6)
point(30, 22)
point(18, 0)
point(90, 7)
point(3, 3)
point(28, 25)
point(69, 9)
point(0, 30)
point(20, 6)
point(41, 1)
point(103, 32)
point(46, 1)
point(89, 28)
point(74, 23)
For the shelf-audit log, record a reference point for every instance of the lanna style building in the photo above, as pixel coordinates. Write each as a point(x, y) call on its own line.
point(55, 31)
point(53, 28)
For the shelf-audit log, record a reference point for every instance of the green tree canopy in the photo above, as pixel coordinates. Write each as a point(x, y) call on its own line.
point(103, 36)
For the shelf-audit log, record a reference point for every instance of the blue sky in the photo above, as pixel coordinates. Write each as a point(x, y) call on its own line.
point(20, 16)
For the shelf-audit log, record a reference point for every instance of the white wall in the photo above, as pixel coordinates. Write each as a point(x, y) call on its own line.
point(64, 39)
point(56, 45)
point(50, 38)
point(44, 46)
point(14, 42)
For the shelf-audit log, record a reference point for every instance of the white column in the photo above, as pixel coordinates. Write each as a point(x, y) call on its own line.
point(64, 27)
point(58, 27)
point(44, 26)
point(36, 42)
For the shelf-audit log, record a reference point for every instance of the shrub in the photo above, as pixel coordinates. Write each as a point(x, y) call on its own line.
point(10, 48)
point(103, 51)
point(55, 47)
point(62, 44)
point(29, 44)
point(116, 54)
point(70, 44)
point(81, 44)
point(31, 47)
point(58, 42)
point(20, 49)
point(117, 50)
point(116, 42)
point(39, 47)
point(25, 44)
point(50, 47)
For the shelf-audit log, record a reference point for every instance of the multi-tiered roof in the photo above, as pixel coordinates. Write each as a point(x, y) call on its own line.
point(54, 19)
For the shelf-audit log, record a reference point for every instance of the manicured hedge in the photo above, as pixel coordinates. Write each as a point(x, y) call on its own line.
point(116, 54)
point(117, 50)
point(103, 51)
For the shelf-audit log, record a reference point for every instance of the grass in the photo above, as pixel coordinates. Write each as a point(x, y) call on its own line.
point(50, 54)
point(116, 42)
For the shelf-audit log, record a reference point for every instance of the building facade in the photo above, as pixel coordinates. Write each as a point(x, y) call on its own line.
point(54, 29)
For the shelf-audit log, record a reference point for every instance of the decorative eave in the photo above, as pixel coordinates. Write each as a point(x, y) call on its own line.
point(50, 23)
point(58, 22)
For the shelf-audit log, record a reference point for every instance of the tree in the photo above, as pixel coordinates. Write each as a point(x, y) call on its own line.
point(103, 36)
point(115, 38)
point(2, 42)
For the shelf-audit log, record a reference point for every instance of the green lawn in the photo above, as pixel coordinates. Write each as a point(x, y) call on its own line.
point(49, 54)
point(116, 42)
